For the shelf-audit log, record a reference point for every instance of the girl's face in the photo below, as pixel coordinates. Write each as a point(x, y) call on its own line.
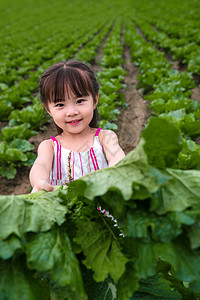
point(72, 114)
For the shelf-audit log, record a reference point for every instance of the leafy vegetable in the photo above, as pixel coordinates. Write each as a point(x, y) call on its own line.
point(65, 241)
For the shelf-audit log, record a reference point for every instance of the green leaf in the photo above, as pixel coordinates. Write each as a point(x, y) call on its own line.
point(180, 192)
point(8, 172)
point(98, 290)
point(10, 155)
point(22, 131)
point(5, 108)
point(128, 283)
point(156, 287)
point(3, 86)
point(29, 213)
point(140, 223)
point(110, 126)
point(51, 252)
point(17, 282)
point(176, 253)
point(162, 143)
point(189, 156)
point(194, 235)
point(21, 145)
point(9, 246)
point(100, 246)
point(32, 114)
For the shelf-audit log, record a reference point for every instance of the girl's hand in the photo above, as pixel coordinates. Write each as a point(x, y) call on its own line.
point(43, 185)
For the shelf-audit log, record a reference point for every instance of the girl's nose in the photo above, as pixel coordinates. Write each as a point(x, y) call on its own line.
point(71, 110)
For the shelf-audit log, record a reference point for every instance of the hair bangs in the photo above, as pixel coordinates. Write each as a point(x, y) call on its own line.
point(65, 82)
point(77, 83)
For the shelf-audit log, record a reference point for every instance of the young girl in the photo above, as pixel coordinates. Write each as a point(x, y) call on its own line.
point(69, 93)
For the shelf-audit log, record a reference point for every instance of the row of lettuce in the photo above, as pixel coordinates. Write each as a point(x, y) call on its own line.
point(168, 91)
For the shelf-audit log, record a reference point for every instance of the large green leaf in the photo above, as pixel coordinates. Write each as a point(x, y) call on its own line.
point(51, 252)
point(179, 193)
point(31, 212)
point(99, 242)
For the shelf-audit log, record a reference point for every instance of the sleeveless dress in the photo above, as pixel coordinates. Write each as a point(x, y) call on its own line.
point(70, 165)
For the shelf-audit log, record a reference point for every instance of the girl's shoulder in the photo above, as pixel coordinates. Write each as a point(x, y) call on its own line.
point(106, 136)
point(46, 145)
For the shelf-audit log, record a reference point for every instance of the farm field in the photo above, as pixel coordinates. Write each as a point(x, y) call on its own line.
point(147, 59)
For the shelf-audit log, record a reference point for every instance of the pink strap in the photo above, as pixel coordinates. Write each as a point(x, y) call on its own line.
point(92, 159)
point(59, 175)
point(97, 132)
point(95, 158)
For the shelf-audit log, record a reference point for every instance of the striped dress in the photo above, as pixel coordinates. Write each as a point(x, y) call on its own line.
point(79, 163)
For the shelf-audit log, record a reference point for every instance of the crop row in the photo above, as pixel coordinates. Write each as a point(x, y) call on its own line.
point(168, 92)
point(175, 19)
point(180, 48)
point(22, 92)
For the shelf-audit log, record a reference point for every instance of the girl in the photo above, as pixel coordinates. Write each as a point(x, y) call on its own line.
point(69, 93)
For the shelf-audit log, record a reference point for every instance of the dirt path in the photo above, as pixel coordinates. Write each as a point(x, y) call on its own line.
point(132, 120)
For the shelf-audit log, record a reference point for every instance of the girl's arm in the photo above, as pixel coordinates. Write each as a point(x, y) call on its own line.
point(113, 151)
point(40, 171)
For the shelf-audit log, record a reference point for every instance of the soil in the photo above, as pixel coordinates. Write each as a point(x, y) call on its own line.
point(132, 120)
point(130, 124)
point(196, 94)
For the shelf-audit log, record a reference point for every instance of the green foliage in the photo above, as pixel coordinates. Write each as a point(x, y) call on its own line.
point(189, 156)
point(22, 131)
point(5, 108)
point(161, 134)
point(61, 239)
point(12, 155)
point(22, 283)
point(32, 114)
point(156, 287)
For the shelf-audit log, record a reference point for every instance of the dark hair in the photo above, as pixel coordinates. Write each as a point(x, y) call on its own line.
point(65, 77)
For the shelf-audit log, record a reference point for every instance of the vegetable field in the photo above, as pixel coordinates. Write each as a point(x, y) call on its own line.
point(147, 58)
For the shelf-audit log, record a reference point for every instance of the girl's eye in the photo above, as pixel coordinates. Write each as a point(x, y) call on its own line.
point(59, 105)
point(80, 101)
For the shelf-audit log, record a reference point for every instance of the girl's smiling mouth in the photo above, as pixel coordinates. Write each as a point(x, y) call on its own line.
point(74, 122)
